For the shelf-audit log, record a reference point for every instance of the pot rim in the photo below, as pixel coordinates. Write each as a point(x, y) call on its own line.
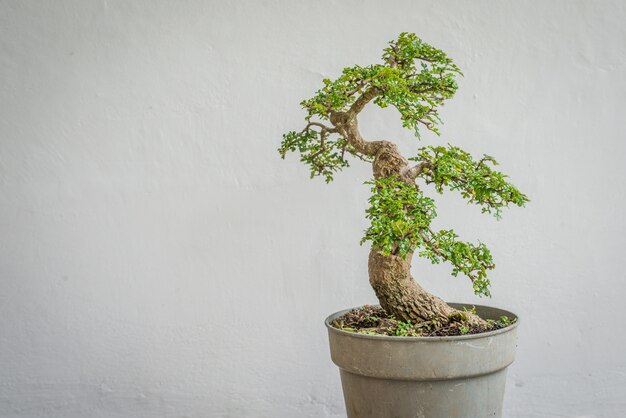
point(514, 325)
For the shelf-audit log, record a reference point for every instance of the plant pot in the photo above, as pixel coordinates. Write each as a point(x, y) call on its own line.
point(430, 377)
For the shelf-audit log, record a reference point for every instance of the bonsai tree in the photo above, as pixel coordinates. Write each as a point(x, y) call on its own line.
point(416, 79)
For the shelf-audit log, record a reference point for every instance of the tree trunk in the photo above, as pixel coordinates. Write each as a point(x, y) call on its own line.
point(401, 296)
point(390, 276)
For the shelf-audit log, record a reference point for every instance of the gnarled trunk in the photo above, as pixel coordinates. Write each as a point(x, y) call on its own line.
point(401, 296)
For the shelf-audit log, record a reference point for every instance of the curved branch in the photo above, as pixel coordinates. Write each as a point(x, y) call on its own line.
point(346, 124)
point(358, 87)
point(319, 125)
point(364, 99)
point(412, 172)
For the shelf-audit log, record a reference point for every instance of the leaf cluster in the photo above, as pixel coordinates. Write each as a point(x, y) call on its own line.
point(455, 169)
point(400, 217)
point(324, 156)
point(473, 260)
point(399, 214)
point(323, 152)
point(414, 77)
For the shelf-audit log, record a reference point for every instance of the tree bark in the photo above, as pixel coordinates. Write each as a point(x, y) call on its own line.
point(400, 295)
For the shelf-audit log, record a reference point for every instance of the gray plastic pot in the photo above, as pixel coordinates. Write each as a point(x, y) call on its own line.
point(424, 377)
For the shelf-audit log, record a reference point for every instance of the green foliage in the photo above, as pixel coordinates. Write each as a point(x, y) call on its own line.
point(338, 95)
point(404, 329)
point(408, 48)
point(399, 215)
point(504, 321)
point(471, 310)
point(458, 316)
point(324, 157)
point(465, 257)
point(415, 78)
point(400, 218)
point(424, 77)
point(455, 169)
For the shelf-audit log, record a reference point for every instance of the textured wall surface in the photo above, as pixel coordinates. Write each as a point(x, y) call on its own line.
point(157, 258)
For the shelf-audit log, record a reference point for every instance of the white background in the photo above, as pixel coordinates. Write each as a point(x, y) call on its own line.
point(158, 259)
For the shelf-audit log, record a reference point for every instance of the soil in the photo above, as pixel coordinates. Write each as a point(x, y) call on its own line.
point(373, 320)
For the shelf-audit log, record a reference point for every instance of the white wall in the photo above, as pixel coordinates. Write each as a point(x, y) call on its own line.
point(157, 258)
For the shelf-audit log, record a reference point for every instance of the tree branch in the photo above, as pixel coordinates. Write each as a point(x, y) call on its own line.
point(346, 125)
point(323, 135)
point(438, 251)
point(357, 88)
point(319, 125)
point(416, 170)
point(364, 99)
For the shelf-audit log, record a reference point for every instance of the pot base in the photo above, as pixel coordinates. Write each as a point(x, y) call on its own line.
point(456, 398)
point(424, 377)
